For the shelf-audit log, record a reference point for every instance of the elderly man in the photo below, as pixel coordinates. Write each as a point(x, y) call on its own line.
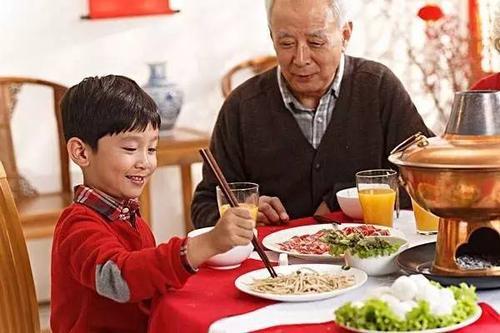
point(303, 129)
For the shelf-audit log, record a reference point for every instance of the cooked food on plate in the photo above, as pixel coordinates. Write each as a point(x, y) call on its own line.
point(359, 245)
point(303, 281)
point(412, 303)
point(314, 244)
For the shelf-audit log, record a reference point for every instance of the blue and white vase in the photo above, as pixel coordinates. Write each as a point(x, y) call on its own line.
point(167, 95)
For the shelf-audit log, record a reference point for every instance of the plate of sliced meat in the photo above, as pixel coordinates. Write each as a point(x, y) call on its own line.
point(306, 241)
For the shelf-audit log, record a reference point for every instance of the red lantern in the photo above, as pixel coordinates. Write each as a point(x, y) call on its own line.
point(430, 13)
point(117, 8)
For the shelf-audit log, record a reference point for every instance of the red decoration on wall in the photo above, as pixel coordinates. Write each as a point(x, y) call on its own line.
point(430, 13)
point(118, 8)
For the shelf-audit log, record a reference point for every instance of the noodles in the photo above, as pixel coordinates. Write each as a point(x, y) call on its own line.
point(301, 282)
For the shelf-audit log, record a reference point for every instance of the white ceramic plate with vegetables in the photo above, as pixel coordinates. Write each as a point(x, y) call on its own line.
point(411, 304)
point(303, 242)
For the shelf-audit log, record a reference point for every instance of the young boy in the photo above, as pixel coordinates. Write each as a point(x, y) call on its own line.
point(105, 266)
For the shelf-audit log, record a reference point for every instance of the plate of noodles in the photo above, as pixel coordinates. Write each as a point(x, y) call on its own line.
point(305, 241)
point(301, 283)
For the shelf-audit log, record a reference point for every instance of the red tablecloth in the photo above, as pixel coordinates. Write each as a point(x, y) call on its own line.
point(210, 295)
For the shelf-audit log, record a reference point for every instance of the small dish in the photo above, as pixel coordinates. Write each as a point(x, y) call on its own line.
point(379, 265)
point(349, 203)
point(229, 259)
point(418, 260)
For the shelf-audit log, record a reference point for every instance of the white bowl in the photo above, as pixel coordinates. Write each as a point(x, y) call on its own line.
point(349, 203)
point(381, 265)
point(229, 259)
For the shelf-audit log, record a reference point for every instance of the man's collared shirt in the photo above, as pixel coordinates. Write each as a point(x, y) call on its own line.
point(313, 122)
point(106, 205)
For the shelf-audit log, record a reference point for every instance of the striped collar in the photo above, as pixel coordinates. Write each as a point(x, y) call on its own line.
point(111, 208)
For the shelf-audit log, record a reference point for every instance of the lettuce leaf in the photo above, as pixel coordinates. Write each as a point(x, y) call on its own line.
point(376, 314)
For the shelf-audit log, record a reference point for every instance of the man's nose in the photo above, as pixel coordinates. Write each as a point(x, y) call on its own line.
point(302, 55)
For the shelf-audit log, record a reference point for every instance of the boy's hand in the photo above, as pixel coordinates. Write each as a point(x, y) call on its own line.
point(234, 228)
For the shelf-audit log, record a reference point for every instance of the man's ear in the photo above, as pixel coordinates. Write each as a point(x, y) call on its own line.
point(78, 151)
point(346, 34)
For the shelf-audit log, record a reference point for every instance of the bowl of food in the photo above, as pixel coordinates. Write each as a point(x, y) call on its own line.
point(376, 255)
point(229, 259)
point(349, 203)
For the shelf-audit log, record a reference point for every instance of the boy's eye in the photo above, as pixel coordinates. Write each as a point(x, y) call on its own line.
point(152, 150)
point(129, 149)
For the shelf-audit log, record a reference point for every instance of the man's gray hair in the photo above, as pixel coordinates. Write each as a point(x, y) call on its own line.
point(339, 9)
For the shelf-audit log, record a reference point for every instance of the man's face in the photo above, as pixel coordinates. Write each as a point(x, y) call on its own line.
point(308, 44)
point(123, 163)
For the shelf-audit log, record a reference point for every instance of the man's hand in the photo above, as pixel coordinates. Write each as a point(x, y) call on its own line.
point(271, 211)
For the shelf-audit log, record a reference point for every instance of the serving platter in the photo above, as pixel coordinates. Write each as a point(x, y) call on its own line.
point(243, 282)
point(273, 240)
point(418, 260)
point(463, 324)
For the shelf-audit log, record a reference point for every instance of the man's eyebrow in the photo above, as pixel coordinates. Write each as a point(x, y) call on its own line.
point(284, 34)
point(319, 33)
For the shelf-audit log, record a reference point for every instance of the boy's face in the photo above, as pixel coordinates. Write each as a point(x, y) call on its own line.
point(122, 163)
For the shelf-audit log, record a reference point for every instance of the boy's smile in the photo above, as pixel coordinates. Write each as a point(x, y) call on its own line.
point(122, 163)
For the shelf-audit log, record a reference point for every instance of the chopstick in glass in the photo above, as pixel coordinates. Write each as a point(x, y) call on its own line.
point(212, 164)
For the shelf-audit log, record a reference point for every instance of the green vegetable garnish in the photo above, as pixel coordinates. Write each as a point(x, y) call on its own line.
point(376, 315)
point(357, 244)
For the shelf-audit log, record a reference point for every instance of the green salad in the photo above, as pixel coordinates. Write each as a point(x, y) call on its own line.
point(376, 314)
point(358, 244)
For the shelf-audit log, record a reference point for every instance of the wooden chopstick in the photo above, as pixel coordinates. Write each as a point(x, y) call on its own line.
point(233, 202)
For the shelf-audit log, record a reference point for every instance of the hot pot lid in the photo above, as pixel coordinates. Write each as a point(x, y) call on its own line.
point(448, 152)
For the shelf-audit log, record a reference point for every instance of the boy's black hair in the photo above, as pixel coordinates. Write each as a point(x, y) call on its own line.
point(100, 106)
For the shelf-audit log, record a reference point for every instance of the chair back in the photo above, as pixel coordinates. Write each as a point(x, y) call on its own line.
point(256, 66)
point(9, 87)
point(18, 304)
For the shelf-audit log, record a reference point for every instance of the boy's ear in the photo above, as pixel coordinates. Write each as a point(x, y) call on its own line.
point(78, 151)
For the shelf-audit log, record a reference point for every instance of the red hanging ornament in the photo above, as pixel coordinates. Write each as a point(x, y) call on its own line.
point(430, 13)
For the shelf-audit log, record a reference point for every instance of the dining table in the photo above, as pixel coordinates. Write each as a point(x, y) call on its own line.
point(210, 302)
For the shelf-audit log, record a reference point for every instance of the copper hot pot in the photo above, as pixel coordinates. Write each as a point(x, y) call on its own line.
point(457, 177)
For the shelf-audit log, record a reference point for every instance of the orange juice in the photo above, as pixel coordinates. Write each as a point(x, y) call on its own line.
point(378, 205)
point(253, 209)
point(427, 223)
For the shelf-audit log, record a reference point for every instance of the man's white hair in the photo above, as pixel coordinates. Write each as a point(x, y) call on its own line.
point(339, 9)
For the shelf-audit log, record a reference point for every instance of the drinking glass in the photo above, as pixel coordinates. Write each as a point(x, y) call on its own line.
point(427, 223)
point(377, 191)
point(247, 196)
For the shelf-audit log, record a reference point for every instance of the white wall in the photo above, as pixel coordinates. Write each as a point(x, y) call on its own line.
point(47, 39)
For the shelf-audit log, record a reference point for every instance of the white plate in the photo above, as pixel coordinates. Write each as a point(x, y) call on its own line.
point(243, 281)
point(466, 322)
point(273, 240)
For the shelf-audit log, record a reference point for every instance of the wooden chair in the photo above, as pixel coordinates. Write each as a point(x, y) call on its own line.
point(256, 65)
point(18, 304)
point(38, 212)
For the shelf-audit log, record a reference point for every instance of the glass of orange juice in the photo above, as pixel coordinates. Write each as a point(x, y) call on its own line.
point(427, 223)
point(377, 191)
point(247, 196)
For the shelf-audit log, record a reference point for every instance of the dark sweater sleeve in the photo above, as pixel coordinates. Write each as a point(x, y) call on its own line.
point(99, 261)
point(226, 147)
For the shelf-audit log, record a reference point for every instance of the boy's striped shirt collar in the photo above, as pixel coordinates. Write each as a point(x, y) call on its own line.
point(111, 208)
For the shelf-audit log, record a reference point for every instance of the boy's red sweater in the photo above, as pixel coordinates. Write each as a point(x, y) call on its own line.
point(85, 245)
